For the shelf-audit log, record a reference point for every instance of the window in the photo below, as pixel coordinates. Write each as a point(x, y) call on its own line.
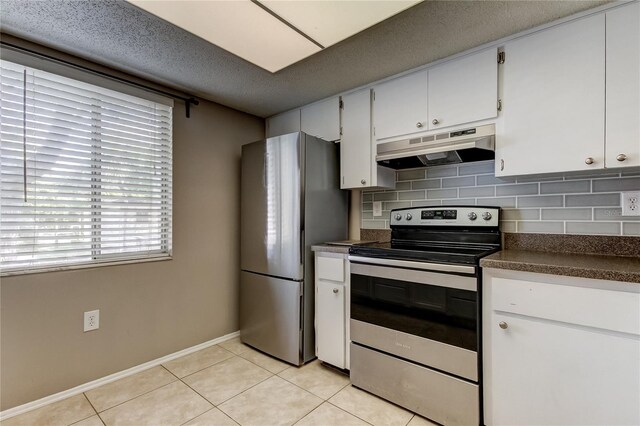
point(85, 173)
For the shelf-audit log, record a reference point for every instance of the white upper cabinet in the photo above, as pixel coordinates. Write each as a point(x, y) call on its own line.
point(400, 106)
point(554, 100)
point(358, 167)
point(282, 124)
point(322, 119)
point(622, 147)
point(459, 91)
point(464, 90)
point(356, 147)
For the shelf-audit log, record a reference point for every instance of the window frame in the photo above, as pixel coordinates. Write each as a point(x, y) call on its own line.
point(165, 226)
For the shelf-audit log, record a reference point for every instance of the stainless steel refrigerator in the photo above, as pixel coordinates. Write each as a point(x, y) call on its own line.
point(290, 200)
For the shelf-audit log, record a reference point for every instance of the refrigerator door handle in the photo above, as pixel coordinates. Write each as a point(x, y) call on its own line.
point(264, 169)
point(302, 252)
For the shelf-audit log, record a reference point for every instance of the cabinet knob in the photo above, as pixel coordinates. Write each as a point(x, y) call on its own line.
point(435, 121)
point(335, 290)
point(589, 161)
point(364, 182)
point(419, 124)
point(621, 157)
point(503, 325)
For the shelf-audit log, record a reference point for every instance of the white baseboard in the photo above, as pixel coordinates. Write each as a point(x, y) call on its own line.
point(29, 406)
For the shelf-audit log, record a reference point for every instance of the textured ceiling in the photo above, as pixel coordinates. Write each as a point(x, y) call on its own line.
point(121, 36)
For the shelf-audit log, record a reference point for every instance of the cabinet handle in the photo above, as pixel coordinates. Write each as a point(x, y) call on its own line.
point(501, 165)
point(335, 290)
point(589, 161)
point(621, 157)
point(419, 124)
point(364, 182)
point(503, 325)
point(435, 121)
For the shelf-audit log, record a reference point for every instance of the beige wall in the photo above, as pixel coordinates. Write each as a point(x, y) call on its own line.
point(147, 310)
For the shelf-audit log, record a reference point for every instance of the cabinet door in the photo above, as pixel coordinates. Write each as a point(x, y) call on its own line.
point(400, 106)
point(281, 124)
point(356, 156)
point(553, 103)
point(623, 87)
point(546, 372)
point(464, 90)
point(330, 323)
point(322, 119)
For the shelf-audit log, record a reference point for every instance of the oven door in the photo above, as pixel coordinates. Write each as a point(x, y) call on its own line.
point(425, 316)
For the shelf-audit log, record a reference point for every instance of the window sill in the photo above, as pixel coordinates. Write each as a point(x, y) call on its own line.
point(83, 266)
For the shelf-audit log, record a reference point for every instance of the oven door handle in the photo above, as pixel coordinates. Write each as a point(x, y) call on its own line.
point(440, 267)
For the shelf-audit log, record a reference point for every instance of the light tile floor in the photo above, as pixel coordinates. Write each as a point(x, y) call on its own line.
point(225, 384)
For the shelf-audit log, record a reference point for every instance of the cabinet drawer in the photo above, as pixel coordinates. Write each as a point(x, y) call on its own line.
point(330, 268)
point(607, 309)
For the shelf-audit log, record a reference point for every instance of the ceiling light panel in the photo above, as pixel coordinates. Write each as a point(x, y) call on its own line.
point(331, 21)
point(238, 26)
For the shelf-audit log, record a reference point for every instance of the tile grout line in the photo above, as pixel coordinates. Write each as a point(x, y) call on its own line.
point(135, 397)
point(251, 387)
point(308, 414)
point(306, 390)
point(85, 418)
point(89, 401)
point(349, 412)
point(204, 368)
point(187, 385)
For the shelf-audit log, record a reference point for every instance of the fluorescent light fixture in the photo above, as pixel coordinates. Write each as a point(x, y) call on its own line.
point(274, 34)
point(331, 21)
point(240, 27)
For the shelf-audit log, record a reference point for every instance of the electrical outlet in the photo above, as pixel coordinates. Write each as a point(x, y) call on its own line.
point(631, 203)
point(92, 320)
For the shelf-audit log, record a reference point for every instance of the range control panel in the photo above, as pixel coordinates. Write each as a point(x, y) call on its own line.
point(447, 216)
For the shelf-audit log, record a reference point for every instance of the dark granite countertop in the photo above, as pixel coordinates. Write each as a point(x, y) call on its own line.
point(339, 248)
point(328, 248)
point(614, 268)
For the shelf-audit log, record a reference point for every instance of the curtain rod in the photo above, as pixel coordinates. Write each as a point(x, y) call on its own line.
point(188, 100)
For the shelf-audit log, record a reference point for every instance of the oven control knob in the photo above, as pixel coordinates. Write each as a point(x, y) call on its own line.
point(398, 216)
point(472, 216)
point(409, 217)
point(486, 216)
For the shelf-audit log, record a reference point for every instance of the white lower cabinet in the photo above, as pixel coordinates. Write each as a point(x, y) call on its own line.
point(560, 350)
point(332, 308)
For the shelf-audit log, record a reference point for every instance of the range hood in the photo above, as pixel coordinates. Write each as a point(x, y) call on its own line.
point(472, 144)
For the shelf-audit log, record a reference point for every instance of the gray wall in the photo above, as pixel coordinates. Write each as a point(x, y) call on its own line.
point(147, 310)
point(576, 203)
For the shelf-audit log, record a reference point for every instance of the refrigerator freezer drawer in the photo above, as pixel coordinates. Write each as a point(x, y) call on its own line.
point(270, 310)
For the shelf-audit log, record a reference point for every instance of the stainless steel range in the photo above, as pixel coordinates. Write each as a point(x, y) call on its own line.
point(415, 311)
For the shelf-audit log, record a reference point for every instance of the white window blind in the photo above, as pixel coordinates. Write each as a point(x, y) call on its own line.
point(85, 173)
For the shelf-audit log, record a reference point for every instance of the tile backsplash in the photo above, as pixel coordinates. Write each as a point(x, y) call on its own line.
point(576, 203)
